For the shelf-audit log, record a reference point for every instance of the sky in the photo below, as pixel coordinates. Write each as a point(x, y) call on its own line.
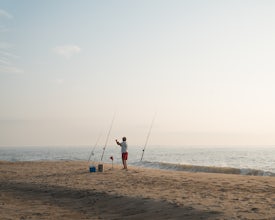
point(205, 68)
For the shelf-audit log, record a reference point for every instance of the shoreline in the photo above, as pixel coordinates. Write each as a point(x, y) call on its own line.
point(67, 190)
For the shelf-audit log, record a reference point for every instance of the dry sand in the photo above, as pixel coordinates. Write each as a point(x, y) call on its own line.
point(67, 190)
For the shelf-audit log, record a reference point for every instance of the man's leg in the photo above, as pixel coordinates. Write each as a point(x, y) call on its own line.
point(125, 161)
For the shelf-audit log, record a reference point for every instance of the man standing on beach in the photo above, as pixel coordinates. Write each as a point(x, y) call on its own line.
point(124, 152)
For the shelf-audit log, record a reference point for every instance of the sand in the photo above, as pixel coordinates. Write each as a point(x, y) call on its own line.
point(67, 190)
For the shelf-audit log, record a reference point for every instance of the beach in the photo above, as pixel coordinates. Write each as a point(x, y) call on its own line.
point(67, 190)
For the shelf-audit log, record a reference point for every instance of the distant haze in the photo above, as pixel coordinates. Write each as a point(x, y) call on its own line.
point(206, 68)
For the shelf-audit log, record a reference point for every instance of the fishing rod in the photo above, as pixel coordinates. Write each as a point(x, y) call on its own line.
point(92, 153)
point(108, 136)
point(148, 135)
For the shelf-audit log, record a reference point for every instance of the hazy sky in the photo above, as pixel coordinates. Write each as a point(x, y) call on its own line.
point(205, 67)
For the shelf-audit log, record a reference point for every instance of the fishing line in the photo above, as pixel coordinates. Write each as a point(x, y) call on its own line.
point(148, 135)
point(108, 136)
point(92, 153)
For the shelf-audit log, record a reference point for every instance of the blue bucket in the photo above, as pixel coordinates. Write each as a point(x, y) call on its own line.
point(92, 169)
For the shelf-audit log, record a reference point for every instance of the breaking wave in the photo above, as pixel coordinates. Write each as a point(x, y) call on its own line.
point(206, 169)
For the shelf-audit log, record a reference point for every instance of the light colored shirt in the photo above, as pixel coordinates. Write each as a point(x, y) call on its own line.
point(124, 147)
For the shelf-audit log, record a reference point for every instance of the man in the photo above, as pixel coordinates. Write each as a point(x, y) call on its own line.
point(124, 152)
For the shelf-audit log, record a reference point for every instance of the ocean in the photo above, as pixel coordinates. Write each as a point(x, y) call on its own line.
point(244, 160)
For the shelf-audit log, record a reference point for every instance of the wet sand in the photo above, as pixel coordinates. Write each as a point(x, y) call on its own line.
point(67, 190)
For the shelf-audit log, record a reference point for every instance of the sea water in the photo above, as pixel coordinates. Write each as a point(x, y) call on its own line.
point(247, 160)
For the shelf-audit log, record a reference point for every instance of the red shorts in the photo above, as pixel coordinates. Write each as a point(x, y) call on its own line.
point(125, 156)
